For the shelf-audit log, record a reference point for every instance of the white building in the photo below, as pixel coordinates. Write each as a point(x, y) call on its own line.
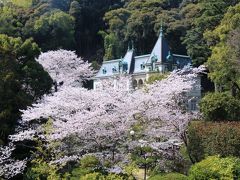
point(140, 68)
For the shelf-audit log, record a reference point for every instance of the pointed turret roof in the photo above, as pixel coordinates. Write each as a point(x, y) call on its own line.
point(160, 50)
point(129, 58)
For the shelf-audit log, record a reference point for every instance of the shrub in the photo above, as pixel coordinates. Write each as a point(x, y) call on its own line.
point(156, 77)
point(90, 162)
point(92, 176)
point(220, 106)
point(99, 176)
point(170, 176)
point(113, 177)
point(213, 138)
point(215, 167)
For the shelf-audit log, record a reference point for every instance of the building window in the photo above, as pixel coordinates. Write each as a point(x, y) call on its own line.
point(134, 84)
point(125, 67)
point(142, 66)
point(140, 83)
point(114, 69)
point(193, 105)
point(104, 71)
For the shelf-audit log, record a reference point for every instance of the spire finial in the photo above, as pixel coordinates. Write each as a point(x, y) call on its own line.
point(132, 44)
point(161, 29)
point(128, 46)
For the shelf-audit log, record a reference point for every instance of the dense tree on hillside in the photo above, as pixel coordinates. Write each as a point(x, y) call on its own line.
point(224, 61)
point(209, 16)
point(141, 22)
point(19, 19)
point(22, 80)
point(57, 27)
point(10, 20)
point(88, 18)
point(185, 21)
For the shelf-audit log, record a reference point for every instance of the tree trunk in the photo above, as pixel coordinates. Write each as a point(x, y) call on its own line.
point(145, 171)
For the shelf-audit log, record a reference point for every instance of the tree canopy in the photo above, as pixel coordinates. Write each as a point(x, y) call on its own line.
point(22, 79)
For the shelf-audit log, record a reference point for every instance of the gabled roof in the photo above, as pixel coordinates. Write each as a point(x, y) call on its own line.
point(160, 50)
point(128, 58)
point(181, 60)
point(108, 66)
point(134, 63)
point(140, 60)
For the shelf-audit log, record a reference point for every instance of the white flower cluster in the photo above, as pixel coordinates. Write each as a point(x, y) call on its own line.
point(10, 167)
point(104, 117)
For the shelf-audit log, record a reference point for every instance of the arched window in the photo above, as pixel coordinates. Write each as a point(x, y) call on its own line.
point(140, 83)
point(134, 84)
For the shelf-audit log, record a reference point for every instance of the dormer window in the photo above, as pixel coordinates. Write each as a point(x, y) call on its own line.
point(125, 66)
point(142, 66)
point(114, 69)
point(169, 57)
point(104, 71)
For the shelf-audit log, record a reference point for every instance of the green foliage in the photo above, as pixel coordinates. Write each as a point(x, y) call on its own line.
point(89, 166)
point(114, 40)
point(224, 61)
point(208, 15)
point(57, 27)
point(18, 19)
point(99, 176)
point(89, 162)
point(22, 80)
point(215, 167)
point(112, 46)
point(92, 176)
point(40, 167)
point(88, 16)
point(156, 77)
point(196, 46)
point(170, 176)
point(184, 23)
point(208, 138)
point(140, 22)
point(22, 3)
point(220, 107)
point(10, 21)
point(114, 177)
point(130, 169)
point(95, 65)
point(79, 172)
point(144, 156)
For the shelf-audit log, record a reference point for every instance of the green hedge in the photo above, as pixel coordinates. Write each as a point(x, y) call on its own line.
point(213, 138)
point(215, 167)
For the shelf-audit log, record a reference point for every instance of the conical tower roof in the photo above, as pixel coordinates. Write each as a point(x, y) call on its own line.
point(160, 50)
point(129, 58)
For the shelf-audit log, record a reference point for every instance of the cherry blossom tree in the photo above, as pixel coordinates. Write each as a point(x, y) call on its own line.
point(67, 70)
point(65, 67)
point(10, 167)
point(100, 120)
point(102, 116)
point(162, 108)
